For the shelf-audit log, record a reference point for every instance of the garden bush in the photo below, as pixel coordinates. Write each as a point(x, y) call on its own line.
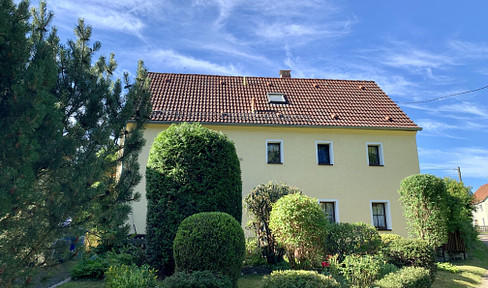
point(93, 267)
point(258, 205)
point(190, 169)
point(299, 225)
point(412, 252)
point(361, 270)
point(130, 276)
point(407, 277)
point(211, 241)
point(386, 239)
point(254, 254)
point(197, 279)
point(351, 238)
point(298, 278)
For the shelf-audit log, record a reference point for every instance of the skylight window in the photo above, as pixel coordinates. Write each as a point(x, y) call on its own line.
point(276, 98)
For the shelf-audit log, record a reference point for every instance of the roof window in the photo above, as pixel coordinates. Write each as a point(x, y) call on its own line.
point(276, 98)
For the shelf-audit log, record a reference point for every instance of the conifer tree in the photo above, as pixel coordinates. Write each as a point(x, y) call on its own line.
point(64, 133)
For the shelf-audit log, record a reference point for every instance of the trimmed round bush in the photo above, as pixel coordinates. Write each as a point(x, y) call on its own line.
point(211, 241)
point(298, 278)
point(412, 252)
point(190, 169)
point(352, 238)
point(299, 225)
point(197, 279)
point(407, 277)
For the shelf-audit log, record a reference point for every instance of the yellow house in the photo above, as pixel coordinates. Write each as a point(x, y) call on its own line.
point(480, 215)
point(343, 142)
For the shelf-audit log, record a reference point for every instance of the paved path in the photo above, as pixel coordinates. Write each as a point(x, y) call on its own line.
point(484, 280)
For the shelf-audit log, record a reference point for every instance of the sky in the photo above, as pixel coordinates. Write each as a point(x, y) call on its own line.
point(415, 50)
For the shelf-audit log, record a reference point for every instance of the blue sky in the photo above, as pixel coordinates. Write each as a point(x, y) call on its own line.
point(415, 50)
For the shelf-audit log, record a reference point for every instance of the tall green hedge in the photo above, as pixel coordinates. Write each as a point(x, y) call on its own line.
point(212, 241)
point(190, 169)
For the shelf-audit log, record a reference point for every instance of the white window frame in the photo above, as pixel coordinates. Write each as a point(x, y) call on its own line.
point(276, 98)
point(387, 211)
point(331, 152)
point(336, 208)
point(275, 141)
point(380, 151)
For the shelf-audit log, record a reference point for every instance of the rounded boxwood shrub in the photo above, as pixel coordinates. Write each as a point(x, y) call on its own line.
point(352, 238)
point(211, 241)
point(299, 225)
point(407, 277)
point(298, 278)
point(197, 279)
point(190, 169)
point(412, 252)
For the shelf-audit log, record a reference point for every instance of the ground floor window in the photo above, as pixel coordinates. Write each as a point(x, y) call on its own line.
point(330, 210)
point(380, 214)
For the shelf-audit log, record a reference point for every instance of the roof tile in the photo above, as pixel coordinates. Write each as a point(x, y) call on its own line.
point(310, 102)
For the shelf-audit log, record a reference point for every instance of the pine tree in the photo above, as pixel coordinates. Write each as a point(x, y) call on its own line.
point(63, 136)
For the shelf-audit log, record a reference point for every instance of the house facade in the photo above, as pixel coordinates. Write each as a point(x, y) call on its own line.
point(345, 143)
point(480, 216)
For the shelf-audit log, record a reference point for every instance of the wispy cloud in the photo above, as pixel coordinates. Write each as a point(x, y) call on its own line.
point(170, 58)
point(467, 49)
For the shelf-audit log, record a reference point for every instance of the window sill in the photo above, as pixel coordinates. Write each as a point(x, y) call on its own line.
point(325, 164)
point(370, 165)
point(383, 229)
point(275, 163)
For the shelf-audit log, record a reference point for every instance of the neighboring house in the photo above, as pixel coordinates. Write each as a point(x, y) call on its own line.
point(343, 142)
point(480, 216)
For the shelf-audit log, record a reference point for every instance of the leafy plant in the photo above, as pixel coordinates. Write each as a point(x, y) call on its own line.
point(298, 278)
point(407, 277)
point(93, 267)
point(258, 205)
point(448, 267)
point(130, 276)
point(424, 199)
point(211, 241)
point(254, 255)
point(351, 238)
point(190, 169)
point(299, 225)
point(197, 279)
point(412, 252)
point(361, 270)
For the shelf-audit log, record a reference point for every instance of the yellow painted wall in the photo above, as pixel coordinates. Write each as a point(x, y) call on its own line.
point(480, 216)
point(350, 180)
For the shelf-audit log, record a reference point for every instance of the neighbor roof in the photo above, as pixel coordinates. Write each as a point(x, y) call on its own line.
point(481, 193)
point(244, 100)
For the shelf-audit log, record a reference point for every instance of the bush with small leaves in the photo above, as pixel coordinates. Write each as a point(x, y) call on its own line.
point(125, 276)
point(407, 277)
point(254, 254)
point(298, 278)
point(299, 225)
point(93, 267)
point(197, 279)
point(211, 241)
point(412, 252)
point(351, 238)
point(361, 270)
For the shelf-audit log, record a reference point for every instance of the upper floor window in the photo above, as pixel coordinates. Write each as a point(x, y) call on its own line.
point(274, 151)
point(324, 153)
point(276, 98)
point(375, 154)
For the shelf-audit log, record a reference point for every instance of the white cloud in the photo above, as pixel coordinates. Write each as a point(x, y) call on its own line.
point(178, 61)
point(466, 49)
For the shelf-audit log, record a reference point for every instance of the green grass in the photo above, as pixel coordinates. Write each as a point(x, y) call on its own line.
point(250, 281)
point(83, 284)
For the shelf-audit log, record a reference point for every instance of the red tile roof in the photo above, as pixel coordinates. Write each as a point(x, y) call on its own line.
point(310, 102)
point(481, 193)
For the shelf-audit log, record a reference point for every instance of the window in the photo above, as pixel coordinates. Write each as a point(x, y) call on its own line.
point(375, 154)
point(274, 152)
point(324, 153)
point(331, 209)
point(276, 98)
point(380, 215)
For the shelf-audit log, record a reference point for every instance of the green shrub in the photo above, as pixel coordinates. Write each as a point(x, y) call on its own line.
point(190, 169)
point(211, 241)
point(93, 267)
point(298, 278)
point(254, 254)
point(448, 267)
point(258, 205)
point(351, 238)
point(361, 270)
point(299, 225)
point(407, 277)
point(386, 239)
point(125, 276)
point(197, 279)
point(387, 268)
point(412, 252)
